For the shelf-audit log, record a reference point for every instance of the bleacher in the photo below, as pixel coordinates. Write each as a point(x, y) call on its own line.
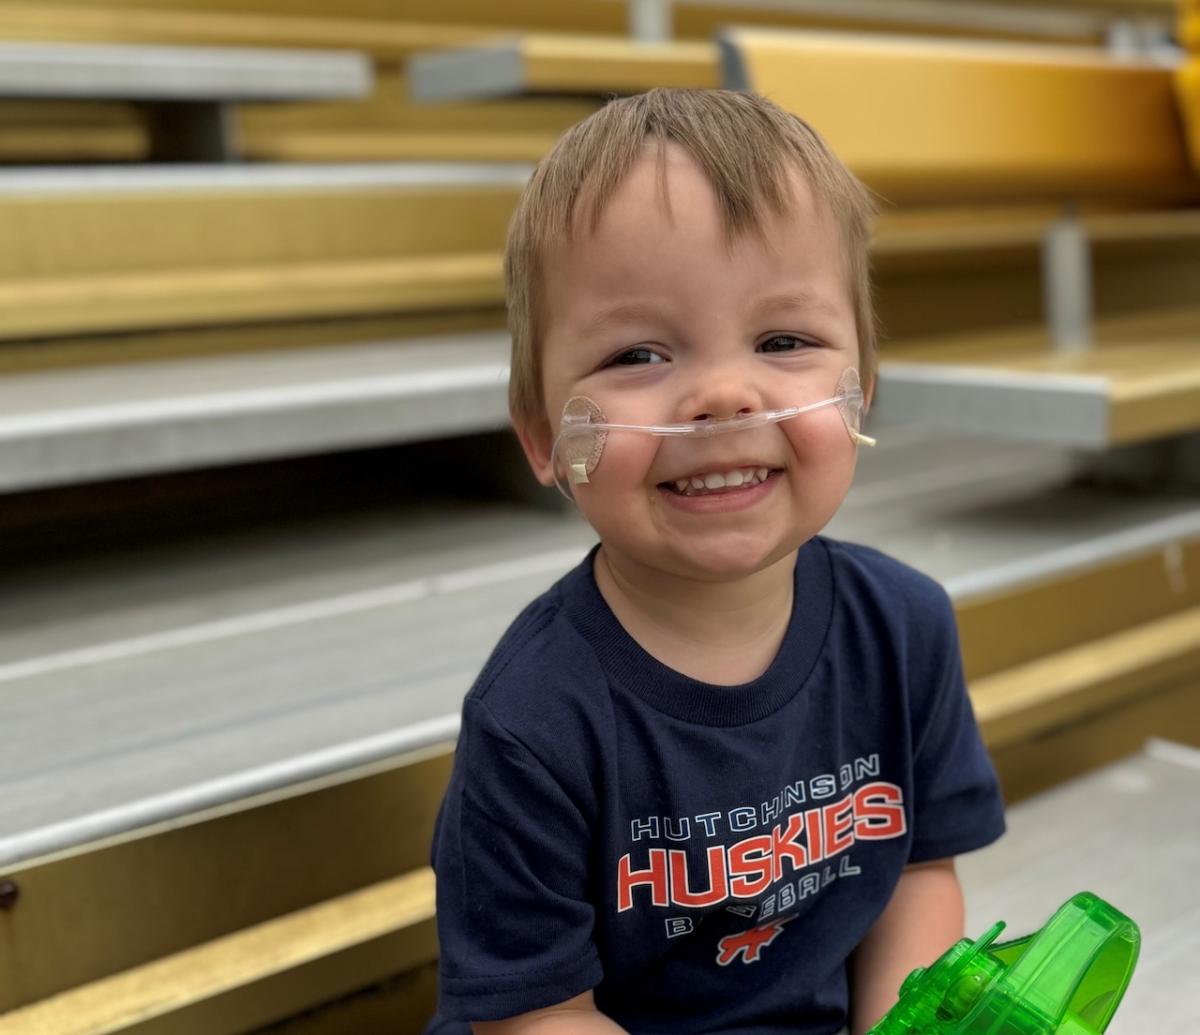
point(261, 522)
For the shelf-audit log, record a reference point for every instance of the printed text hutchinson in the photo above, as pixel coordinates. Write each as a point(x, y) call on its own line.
point(810, 821)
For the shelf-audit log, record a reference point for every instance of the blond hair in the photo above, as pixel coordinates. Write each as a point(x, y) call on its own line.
point(746, 146)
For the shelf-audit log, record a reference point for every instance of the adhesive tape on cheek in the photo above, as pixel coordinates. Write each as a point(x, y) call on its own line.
point(581, 451)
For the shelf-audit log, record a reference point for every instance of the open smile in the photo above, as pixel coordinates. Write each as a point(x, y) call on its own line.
point(711, 483)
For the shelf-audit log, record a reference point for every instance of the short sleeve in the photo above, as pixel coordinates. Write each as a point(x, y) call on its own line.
point(957, 805)
point(511, 856)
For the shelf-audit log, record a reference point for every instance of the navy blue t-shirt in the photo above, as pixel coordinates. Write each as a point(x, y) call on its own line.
point(705, 857)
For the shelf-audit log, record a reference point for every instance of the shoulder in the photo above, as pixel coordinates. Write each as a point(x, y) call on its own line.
point(542, 682)
point(865, 572)
point(887, 605)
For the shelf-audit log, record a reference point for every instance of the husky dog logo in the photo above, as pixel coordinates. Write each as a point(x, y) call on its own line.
point(749, 943)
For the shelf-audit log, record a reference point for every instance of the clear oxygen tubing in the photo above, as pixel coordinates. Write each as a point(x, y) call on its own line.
point(583, 431)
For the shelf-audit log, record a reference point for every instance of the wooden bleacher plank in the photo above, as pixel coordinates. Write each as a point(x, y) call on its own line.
point(182, 993)
point(1187, 87)
point(1141, 381)
point(1132, 585)
point(273, 848)
point(97, 303)
point(975, 140)
point(68, 222)
point(178, 413)
point(531, 64)
point(86, 251)
point(363, 218)
point(390, 125)
point(1022, 703)
point(112, 23)
point(1018, 122)
point(425, 25)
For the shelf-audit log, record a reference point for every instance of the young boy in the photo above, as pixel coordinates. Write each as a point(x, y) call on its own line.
point(714, 780)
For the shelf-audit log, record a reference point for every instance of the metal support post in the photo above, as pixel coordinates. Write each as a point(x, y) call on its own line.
point(650, 20)
point(1067, 283)
point(191, 131)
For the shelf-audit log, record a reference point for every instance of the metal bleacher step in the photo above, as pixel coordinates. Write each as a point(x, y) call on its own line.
point(257, 691)
point(87, 423)
point(185, 93)
point(276, 654)
point(1139, 381)
point(91, 423)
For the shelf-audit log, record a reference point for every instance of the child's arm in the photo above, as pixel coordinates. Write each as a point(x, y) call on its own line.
point(577, 1016)
point(923, 919)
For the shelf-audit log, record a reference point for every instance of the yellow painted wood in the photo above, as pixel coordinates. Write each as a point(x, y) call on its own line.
point(168, 987)
point(1039, 763)
point(570, 64)
point(1189, 30)
point(390, 126)
point(44, 354)
point(1022, 702)
point(1010, 627)
point(923, 119)
point(691, 20)
point(107, 233)
point(389, 106)
point(1150, 364)
point(382, 145)
point(98, 302)
point(1187, 89)
point(193, 25)
point(112, 906)
point(63, 144)
point(402, 1005)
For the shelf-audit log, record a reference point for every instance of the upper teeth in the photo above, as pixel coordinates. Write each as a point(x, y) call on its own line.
point(718, 480)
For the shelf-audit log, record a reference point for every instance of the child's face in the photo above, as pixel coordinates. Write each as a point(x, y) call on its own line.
point(706, 330)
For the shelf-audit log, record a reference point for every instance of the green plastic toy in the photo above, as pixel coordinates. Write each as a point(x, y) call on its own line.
point(1067, 979)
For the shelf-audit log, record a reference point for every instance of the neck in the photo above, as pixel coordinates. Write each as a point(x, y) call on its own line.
point(717, 632)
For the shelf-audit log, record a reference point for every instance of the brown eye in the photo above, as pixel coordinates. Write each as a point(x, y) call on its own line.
point(637, 357)
point(786, 343)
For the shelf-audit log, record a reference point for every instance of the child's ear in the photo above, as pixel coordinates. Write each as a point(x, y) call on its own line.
point(538, 443)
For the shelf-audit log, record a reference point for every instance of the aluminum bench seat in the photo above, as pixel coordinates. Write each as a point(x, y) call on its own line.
point(188, 90)
point(90, 423)
point(1139, 382)
point(225, 674)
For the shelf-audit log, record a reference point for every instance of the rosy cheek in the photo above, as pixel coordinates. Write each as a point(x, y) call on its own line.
point(822, 437)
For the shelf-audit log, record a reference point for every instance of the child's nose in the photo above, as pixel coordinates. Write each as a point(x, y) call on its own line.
point(722, 395)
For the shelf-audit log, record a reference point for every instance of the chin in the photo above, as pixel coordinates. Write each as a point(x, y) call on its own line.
point(729, 558)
